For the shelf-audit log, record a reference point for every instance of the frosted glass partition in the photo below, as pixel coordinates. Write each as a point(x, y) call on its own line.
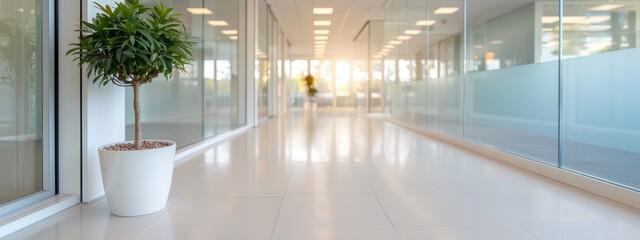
point(501, 79)
point(515, 109)
point(601, 116)
point(444, 105)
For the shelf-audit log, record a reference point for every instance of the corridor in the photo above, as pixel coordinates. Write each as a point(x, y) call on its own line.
point(342, 175)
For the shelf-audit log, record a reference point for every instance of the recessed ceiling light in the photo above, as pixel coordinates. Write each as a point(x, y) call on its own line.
point(321, 23)
point(496, 42)
point(395, 42)
point(573, 19)
point(199, 11)
point(230, 32)
point(389, 46)
point(446, 10)
point(550, 19)
point(218, 23)
point(412, 32)
point(322, 10)
point(233, 37)
point(321, 32)
point(321, 37)
point(403, 37)
point(606, 7)
point(385, 50)
point(425, 22)
point(321, 42)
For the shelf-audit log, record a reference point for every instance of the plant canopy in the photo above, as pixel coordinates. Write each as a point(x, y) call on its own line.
point(130, 45)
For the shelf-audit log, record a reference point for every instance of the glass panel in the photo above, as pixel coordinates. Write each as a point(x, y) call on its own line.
point(403, 47)
point(172, 108)
point(442, 67)
point(220, 67)
point(296, 88)
point(262, 60)
point(512, 98)
point(359, 78)
point(323, 71)
point(600, 87)
point(22, 162)
point(209, 98)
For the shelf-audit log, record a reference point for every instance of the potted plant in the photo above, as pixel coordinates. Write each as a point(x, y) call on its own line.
point(129, 46)
point(312, 91)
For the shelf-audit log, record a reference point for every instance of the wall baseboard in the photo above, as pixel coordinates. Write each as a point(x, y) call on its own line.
point(37, 212)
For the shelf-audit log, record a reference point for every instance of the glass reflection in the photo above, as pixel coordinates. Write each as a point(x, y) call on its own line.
point(206, 100)
point(21, 142)
point(600, 90)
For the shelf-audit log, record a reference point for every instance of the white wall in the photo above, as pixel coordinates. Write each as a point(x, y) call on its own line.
point(69, 101)
point(103, 122)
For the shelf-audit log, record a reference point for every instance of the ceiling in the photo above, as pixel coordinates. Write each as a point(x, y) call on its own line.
point(349, 16)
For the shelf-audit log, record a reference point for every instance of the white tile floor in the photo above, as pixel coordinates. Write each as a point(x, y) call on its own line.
point(340, 176)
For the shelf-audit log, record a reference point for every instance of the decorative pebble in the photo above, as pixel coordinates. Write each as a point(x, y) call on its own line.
point(132, 146)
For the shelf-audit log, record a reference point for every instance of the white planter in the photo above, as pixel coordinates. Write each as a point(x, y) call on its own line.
point(137, 182)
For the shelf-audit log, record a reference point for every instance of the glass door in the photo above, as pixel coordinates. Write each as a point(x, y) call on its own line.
point(26, 123)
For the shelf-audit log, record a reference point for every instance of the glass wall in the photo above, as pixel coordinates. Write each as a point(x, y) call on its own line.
point(600, 89)
point(263, 72)
point(208, 99)
point(521, 77)
point(511, 89)
point(26, 100)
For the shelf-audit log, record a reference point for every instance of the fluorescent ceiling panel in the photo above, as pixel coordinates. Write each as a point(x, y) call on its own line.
point(446, 10)
point(606, 7)
point(412, 32)
point(322, 11)
point(425, 22)
point(321, 23)
point(199, 11)
point(230, 32)
point(550, 19)
point(218, 23)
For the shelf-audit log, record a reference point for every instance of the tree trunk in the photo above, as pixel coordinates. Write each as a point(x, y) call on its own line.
point(136, 110)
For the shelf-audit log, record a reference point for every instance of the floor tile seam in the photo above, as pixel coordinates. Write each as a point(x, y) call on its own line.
point(200, 183)
point(275, 223)
point(165, 210)
point(368, 229)
point(223, 197)
point(460, 188)
point(304, 194)
point(373, 193)
point(512, 221)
